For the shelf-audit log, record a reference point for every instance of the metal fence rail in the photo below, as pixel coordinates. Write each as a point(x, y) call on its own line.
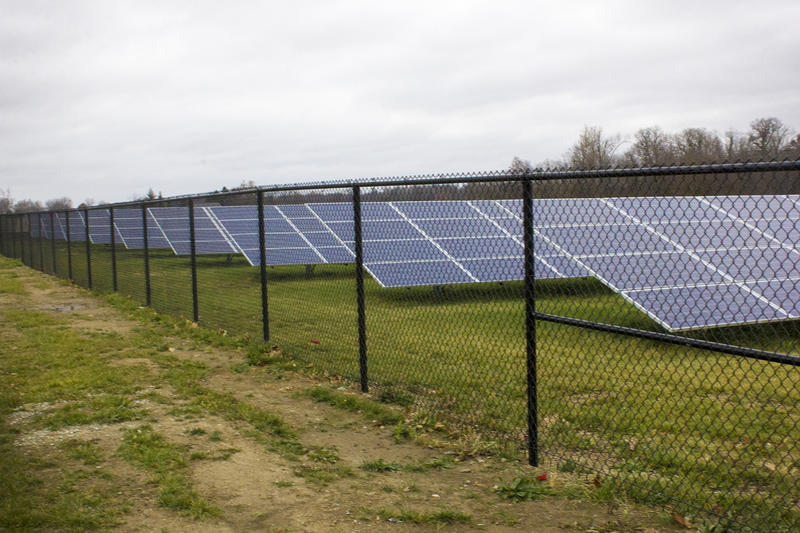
point(642, 325)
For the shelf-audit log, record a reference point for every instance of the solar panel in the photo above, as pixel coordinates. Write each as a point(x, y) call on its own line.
point(128, 222)
point(100, 227)
point(35, 231)
point(688, 262)
point(77, 228)
point(46, 230)
point(173, 222)
point(442, 242)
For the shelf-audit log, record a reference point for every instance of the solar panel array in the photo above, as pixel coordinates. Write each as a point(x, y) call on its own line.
point(688, 262)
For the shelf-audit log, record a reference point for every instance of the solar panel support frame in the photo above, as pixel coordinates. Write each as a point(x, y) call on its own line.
point(530, 323)
point(193, 248)
point(146, 242)
point(362, 325)
point(262, 252)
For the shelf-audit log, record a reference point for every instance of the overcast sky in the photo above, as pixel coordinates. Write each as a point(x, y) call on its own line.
point(105, 99)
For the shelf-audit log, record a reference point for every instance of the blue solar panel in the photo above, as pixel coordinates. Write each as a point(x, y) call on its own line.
point(688, 262)
point(685, 307)
point(293, 235)
point(100, 227)
point(77, 228)
point(483, 235)
point(33, 222)
point(128, 222)
point(209, 238)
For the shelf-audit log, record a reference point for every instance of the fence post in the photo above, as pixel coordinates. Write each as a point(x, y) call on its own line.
point(15, 236)
point(113, 249)
point(362, 328)
point(530, 322)
point(88, 249)
point(146, 255)
point(21, 226)
point(3, 234)
point(69, 245)
point(30, 241)
point(262, 251)
point(195, 314)
point(41, 241)
point(53, 241)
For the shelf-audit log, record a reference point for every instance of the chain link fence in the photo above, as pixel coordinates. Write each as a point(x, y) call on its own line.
point(637, 325)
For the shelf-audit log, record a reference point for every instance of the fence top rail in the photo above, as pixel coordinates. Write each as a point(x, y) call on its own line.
point(474, 177)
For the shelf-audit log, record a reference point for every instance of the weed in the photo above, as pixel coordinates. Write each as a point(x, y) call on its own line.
point(523, 489)
point(320, 454)
point(396, 396)
point(380, 465)
point(567, 466)
point(402, 432)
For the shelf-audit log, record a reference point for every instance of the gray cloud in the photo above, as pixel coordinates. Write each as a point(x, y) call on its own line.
point(103, 100)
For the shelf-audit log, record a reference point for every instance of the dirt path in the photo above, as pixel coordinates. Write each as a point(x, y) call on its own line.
point(258, 487)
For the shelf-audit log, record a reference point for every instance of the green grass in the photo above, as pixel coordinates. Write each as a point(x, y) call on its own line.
point(355, 404)
point(698, 429)
point(145, 448)
point(81, 450)
point(523, 489)
point(98, 410)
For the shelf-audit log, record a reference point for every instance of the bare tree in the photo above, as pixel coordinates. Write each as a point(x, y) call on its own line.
point(767, 136)
point(59, 204)
point(698, 145)
point(520, 166)
point(6, 202)
point(737, 146)
point(651, 147)
point(593, 150)
point(792, 149)
point(26, 206)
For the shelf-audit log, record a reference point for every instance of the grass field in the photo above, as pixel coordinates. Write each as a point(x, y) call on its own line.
point(704, 432)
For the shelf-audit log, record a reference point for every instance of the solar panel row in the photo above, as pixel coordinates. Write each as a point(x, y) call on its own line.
point(686, 261)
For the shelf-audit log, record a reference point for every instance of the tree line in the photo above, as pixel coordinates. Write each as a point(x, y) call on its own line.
point(767, 139)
